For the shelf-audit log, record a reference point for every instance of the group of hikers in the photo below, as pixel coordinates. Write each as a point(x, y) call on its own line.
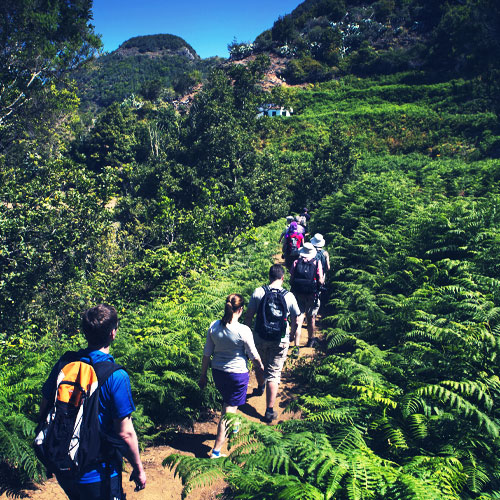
point(85, 416)
point(273, 320)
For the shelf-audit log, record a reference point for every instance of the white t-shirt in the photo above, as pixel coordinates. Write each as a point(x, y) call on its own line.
point(230, 345)
point(291, 304)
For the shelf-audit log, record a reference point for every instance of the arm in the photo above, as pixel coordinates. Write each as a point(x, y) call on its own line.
point(253, 304)
point(249, 318)
point(44, 406)
point(251, 351)
point(125, 430)
point(204, 368)
point(321, 275)
point(208, 350)
point(327, 261)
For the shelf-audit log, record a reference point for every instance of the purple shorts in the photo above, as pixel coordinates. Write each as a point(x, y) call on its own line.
point(232, 386)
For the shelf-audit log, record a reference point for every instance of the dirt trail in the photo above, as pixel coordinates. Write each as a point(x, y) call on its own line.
point(161, 484)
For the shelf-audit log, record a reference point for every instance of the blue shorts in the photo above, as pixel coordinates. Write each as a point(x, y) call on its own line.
point(101, 490)
point(232, 386)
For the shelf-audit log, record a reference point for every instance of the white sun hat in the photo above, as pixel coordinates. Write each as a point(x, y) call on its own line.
point(318, 241)
point(308, 251)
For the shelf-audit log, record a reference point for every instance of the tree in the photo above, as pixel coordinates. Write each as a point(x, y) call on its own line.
point(40, 41)
point(187, 81)
point(467, 37)
point(112, 142)
point(151, 89)
point(284, 30)
point(332, 165)
point(220, 133)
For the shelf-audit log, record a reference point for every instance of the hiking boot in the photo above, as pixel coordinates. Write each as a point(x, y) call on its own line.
point(295, 352)
point(312, 342)
point(269, 416)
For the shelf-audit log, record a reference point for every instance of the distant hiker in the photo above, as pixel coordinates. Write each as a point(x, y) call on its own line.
point(307, 216)
point(274, 307)
point(71, 435)
point(301, 225)
point(321, 254)
point(293, 242)
point(289, 219)
point(306, 278)
point(229, 342)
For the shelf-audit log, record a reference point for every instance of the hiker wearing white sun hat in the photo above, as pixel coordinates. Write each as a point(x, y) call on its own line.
point(319, 242)
point(306, 277)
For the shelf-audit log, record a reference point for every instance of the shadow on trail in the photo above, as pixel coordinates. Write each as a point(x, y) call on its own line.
point(11, 483)
point(250, 411)
point(193, 443)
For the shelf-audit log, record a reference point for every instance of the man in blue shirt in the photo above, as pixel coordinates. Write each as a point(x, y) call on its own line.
point(99, 325)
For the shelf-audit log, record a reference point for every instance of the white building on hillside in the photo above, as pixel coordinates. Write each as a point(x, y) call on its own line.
point(273, 110)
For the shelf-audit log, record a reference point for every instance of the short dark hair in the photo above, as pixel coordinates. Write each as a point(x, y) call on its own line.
point(97, 324)
point(276, 272)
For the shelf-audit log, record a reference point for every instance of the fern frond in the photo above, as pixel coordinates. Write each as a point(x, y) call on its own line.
point(461, 405)
point(370, 394)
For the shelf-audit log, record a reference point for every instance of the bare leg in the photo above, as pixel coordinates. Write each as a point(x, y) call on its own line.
point(300, 320)
point(261, 379)
point(311, 326)
point(271, 393)
point(221, 429)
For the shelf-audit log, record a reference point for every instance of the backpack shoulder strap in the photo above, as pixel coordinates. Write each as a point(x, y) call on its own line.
point(104, 369)
point(69, 357)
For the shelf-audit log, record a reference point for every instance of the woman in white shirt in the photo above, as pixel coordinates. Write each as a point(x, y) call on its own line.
point(230, 343)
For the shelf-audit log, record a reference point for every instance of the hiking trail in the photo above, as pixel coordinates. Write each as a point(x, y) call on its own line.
point(198, 442)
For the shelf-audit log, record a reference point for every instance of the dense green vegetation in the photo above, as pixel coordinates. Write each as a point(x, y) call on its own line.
point(329, 37)
point(154, 211)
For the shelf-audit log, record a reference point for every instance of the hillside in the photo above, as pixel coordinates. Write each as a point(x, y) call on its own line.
point(329, 38)
point(151, 65)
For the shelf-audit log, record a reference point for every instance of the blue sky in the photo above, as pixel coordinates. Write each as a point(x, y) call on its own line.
point(208, 26)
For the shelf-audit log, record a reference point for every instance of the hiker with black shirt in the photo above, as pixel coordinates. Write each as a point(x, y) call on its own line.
point(274, 307)
point(304, 219)
point(79, 382)
point(289, 219)
point(293, 241)
point(306, 278)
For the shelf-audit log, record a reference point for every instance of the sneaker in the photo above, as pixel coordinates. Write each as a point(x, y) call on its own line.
point(217, 454)
point(269, 416)
point(295, 352)
point(236, 428)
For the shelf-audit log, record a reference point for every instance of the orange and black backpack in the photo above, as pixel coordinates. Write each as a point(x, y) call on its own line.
point(69, 439)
